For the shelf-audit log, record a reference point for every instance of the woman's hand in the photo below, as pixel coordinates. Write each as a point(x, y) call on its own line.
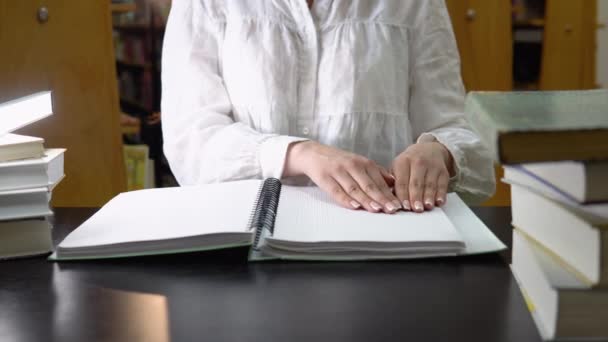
point(351, 180)
point(422, 173)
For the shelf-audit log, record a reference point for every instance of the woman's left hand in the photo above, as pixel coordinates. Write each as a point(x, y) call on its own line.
point(422, 173)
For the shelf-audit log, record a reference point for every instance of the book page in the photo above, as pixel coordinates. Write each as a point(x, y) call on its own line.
point(24, 111)
point(306, 214)
point(169, 213)
point(49, 155)
point(595, 213)
point(17, 139)
point(477, 236)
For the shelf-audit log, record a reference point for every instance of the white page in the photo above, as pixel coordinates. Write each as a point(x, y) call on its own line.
point(17, 139)
point(477, 237)
point(169, 213)
point(306, 214)
point(49, 155)
point(26, 203)
point(23, 191)
point(556, 274)
point(24, 111)
point(595, 213)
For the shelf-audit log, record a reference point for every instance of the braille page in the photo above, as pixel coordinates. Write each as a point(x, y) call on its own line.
point(306, 214)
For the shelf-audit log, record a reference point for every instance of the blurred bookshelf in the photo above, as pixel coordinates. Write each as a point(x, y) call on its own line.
point(123, 7)
point(123, 64)
point(528, 36)
point(138, 31)
point(554, 44)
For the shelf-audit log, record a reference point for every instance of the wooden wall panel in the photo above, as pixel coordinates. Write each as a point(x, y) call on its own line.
point(72, 55)
point(483, 33)
point(569, 45)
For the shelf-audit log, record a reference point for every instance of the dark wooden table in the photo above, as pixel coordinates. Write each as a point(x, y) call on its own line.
point(218, 296)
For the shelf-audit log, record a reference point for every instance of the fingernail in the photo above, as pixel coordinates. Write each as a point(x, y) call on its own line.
point(428, 203)
point(440, 201)
point(397, 204)
point(355, 204)
point(418, 206)
point(390, 207)
point(375, 206)
point(406, 205)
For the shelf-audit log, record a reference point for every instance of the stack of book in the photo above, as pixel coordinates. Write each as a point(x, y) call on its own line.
point(556, 145)
point(28, 174)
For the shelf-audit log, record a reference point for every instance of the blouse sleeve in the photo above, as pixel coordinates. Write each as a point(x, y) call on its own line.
point(202, 142)
point(437, 102)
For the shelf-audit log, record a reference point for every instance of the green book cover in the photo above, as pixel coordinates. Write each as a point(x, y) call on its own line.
point(494, 115)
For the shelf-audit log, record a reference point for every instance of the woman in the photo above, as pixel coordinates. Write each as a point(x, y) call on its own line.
point(363, 97)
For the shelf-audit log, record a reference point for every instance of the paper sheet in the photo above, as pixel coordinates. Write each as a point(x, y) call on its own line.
point(306, 214)
point(168, 213)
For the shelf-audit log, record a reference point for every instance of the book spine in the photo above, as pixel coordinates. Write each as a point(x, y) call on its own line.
point(482, 125)
point(264, 214)
point(596, 187)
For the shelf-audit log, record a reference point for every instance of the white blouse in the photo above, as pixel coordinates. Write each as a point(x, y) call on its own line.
point(243, 79)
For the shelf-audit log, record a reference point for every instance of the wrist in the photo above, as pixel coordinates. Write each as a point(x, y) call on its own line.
point(294, 161)
point(447, 158)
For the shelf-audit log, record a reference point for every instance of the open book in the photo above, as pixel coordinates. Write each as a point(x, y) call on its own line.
point(278, 221)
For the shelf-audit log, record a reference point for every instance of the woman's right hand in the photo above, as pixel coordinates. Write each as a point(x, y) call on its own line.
point(351, 180)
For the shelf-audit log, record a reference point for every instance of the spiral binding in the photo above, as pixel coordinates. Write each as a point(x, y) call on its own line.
point(265, 210)
point(255, 212)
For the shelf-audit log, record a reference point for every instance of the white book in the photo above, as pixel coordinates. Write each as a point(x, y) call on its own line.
point(23, 238)
point(584, 182)
point(562, 306)
point(16, 146)
point(23, 111)
point(594, 213)
point(32, 173)
point(577, 242)
point(26, 203)
point(305, 223)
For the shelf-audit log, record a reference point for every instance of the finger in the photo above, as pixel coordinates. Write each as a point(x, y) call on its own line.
point(370, 188)
point(387, 176)
point(353, 190)
point(402, 184)
point(417, 177)
point(430, 188)
point(393, 203)
point(442, 188)
point(333, 188)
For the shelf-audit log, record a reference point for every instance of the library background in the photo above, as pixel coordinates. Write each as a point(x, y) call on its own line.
point(102, 59)
point(80, 122)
